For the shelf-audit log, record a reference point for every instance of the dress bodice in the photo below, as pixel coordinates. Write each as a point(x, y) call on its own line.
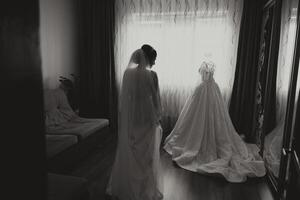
point(207, 70)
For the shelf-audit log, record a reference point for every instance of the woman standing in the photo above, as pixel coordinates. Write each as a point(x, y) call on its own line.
point(135, 171)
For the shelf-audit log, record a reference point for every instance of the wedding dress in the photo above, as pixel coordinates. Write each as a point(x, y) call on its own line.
point(204, 139)
point(135, 173)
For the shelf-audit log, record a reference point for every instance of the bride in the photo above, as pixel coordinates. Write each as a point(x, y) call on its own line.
point(135, 171)
point(204, 139)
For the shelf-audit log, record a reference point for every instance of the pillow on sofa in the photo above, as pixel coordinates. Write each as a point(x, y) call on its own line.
point(57, 108)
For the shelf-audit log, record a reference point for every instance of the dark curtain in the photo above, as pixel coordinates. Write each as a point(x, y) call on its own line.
point(96, 57)
point(243, 95)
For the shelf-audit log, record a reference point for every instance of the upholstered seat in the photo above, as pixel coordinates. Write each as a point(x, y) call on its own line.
point(59, 143)
point(63, 187)
point(62, 120)
point(69, 137)
point(81, 127)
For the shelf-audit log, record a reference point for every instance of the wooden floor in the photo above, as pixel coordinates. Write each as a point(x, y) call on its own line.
point(179, 184)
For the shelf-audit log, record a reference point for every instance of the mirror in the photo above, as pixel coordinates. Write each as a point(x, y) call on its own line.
point(290, 166)
point(273, 139)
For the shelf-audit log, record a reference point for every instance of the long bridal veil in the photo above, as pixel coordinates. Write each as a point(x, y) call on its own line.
point(136, 169)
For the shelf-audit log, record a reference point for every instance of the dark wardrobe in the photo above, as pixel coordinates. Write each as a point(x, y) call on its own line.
point(276, 110)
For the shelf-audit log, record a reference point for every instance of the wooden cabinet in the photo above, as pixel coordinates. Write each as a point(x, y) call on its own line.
point(277, 132)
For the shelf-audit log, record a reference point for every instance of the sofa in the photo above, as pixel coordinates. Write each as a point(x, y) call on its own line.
point(64, 187)
point(69, 137)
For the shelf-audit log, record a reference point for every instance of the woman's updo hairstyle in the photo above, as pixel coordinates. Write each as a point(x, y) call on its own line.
point(150, 53)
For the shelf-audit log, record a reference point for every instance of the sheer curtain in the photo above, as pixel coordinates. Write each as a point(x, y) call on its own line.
point(184, 33)
point(285, 58)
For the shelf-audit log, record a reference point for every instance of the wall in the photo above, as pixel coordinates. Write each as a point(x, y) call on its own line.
point(58, 35)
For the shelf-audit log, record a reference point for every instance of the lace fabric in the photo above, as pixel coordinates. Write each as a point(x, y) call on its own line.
point(207, 70)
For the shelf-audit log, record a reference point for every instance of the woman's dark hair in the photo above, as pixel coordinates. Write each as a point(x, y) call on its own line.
point(150, 53)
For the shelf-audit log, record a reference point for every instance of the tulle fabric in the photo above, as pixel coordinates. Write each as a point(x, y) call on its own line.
point(273, 145)
point(137, 163)
point(205, 141)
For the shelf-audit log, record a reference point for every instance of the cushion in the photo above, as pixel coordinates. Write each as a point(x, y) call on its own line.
point(81, 127)
point(57, 143)
point(57, 108)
